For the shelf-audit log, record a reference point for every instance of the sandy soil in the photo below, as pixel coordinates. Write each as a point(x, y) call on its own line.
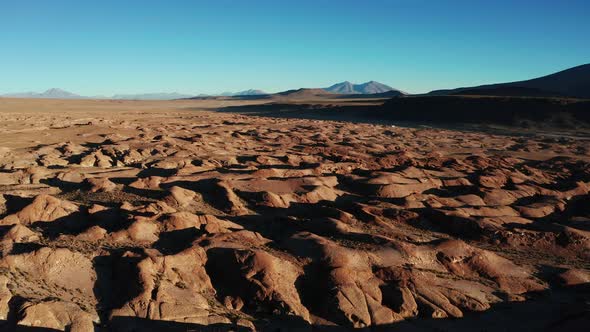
point(153, 216)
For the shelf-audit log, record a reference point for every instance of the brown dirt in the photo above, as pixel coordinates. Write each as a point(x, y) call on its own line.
point(153, 216)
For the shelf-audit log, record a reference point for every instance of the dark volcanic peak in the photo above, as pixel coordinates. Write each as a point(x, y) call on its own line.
point(388, 94)
point(370, 87)
point(572, 82)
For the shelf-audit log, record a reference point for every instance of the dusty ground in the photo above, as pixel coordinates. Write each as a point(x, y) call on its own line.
point(153, 216)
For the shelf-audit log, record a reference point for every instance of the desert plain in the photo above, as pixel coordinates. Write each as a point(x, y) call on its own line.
point(190, 215)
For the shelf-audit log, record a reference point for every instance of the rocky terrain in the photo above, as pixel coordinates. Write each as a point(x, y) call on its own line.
point(157, 216)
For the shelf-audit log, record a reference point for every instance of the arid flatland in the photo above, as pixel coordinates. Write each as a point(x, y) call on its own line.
point(171, 215)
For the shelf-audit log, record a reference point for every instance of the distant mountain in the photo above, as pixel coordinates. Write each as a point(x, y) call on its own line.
point(21, 95)
point(250, 92)
point(51, 93)
point(152, 96)
point(62, 94)
point(342, 88)
point(348, 88)
point(572, 82)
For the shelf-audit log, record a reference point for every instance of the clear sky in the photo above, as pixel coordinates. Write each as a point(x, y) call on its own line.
point(128, 46)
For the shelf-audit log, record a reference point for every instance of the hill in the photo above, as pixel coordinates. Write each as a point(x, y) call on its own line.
point(506, 110)
point(388, 94)
point(572, 82)
point(303, 94)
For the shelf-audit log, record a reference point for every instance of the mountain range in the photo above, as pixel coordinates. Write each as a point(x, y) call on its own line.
point(55, 93)
point(572, 82)
point(51, 93)
point(368, 88)
point(151, 96)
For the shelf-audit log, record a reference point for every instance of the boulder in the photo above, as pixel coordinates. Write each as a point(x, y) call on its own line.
point(260, 281)
point(44, 208)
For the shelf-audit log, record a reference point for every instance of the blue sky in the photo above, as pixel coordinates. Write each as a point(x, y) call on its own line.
point(106, 47)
